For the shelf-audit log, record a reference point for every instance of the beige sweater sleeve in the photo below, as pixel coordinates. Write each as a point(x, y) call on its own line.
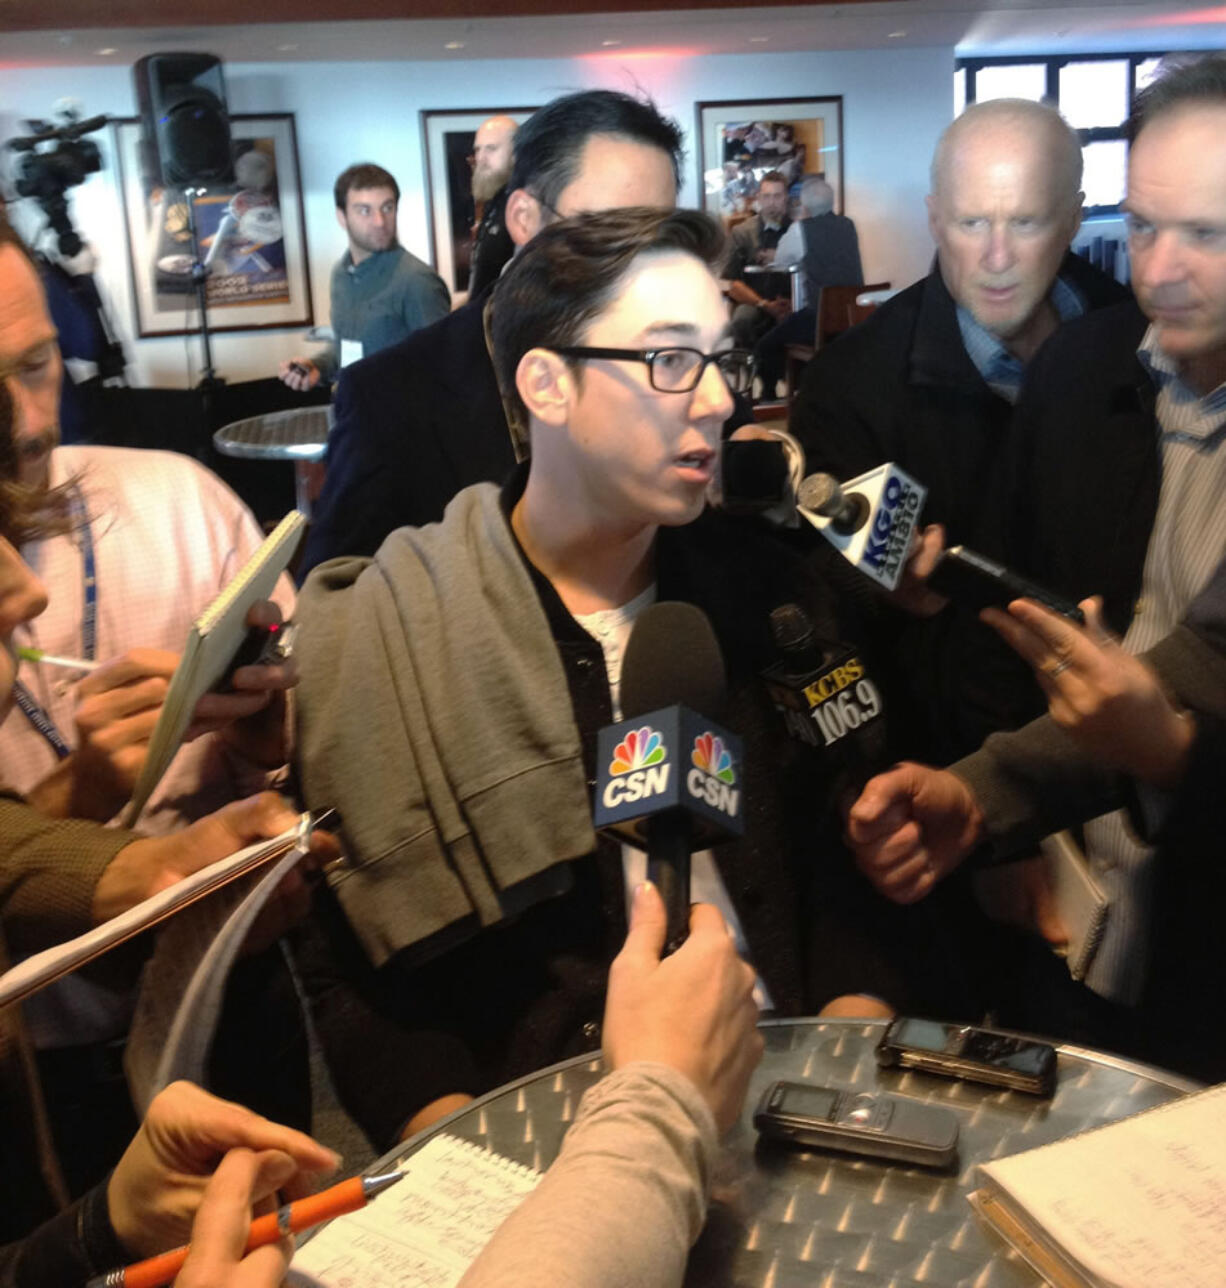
point(625, 1199)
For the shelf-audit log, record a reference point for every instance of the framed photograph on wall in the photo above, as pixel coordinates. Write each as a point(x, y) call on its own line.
point(252, 235)
point(447, 144)
point(739, 142)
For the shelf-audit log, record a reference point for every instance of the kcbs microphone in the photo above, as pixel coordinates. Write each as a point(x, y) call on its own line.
point(825, 695)
point(870, 520)
point(669, 779)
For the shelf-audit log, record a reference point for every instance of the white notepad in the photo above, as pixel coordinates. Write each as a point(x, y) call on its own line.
point(211, 645)
point(1139, 1203)
point(53, 963)
point(424, 1232)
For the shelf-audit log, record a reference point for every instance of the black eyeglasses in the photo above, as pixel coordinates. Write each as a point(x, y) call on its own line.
point(675, 370)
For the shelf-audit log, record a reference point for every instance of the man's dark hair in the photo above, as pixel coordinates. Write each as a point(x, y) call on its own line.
point(1200, 82)
point(363, 175)
point(549, 144)
point(568, 274)
point(772, 176)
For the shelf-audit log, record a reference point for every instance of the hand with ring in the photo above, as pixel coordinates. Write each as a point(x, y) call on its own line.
point(1112, 703)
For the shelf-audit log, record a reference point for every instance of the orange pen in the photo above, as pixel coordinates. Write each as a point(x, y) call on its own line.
point(348, 1196)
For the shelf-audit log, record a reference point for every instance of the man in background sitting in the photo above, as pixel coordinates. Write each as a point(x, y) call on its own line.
point(827, 246)
point(753, 246)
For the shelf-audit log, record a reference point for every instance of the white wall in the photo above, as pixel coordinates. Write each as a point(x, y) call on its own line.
point(895, 102)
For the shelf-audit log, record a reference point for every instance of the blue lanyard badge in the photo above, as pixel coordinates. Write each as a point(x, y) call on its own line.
point(26, 701)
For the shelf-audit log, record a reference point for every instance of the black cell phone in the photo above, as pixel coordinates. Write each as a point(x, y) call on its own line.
point(872, 1124)
point(970, 578)
point(298, 369)
point(977, 1055)
point(249, 652)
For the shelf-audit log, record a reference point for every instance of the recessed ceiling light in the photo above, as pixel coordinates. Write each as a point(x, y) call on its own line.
point(607, 43)
point(454, 44)
point(896, 35)
point(758, 40)
point(285, 49)
point(104, 52)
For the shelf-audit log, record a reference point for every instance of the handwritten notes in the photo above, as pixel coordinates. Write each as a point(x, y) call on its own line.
point(424, 1232)
point(1134, 1204)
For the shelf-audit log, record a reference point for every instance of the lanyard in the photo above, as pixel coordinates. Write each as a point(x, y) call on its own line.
point(29, 705)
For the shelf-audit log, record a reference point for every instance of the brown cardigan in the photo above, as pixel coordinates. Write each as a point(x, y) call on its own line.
point(48, 871)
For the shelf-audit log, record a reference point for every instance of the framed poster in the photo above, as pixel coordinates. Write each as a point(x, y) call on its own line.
point(739, 142)
point(447, 144)
point(251, 232)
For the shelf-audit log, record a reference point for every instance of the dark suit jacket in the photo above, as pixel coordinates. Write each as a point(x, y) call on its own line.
point(901, 387)
point(1078, 486)
point(1072, 502)
point(832, 253)
point(413, 427)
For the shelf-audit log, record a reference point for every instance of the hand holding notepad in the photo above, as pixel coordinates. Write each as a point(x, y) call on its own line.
point(211, 645)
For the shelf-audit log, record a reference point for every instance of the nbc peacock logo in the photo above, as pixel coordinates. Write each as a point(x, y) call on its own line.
point(639, 768)
point(711, 756)
point(712, 778)
point(639, 749)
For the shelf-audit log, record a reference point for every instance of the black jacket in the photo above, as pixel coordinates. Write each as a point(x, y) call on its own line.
point(414, 424)
point(1078, 486)
point(493, 246)
point(902, 388)
point(1071, 504)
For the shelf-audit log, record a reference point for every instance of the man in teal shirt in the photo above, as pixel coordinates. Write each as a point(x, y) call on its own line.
point(381, 293)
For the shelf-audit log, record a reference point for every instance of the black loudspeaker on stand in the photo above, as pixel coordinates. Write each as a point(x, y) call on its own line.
point(186, 128)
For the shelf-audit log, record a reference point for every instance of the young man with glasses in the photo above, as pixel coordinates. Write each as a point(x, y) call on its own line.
point(452, 690)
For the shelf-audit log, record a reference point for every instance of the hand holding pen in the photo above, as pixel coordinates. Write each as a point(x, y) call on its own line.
point(155, 1191)
point(228, 1247)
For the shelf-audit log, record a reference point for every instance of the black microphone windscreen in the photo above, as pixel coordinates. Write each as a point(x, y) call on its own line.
point(672, 657)
point(754, 472)
point(795, 638)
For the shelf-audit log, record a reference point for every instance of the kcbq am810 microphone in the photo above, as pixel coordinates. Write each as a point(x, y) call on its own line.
point(669, 779)
point(870, 519)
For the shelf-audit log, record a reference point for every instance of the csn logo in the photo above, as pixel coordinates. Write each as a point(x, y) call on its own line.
point(712, 779)
point(639, 768)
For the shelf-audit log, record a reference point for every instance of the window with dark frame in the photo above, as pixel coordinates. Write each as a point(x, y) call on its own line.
point(1094, 92)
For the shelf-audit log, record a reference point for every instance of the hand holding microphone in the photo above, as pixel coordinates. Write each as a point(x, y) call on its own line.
point(669, 779)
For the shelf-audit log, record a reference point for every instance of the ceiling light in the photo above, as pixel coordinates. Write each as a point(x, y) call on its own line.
point(104, 52)
point(895, 35)
point(285, 49)
point(758, 40)
point(607, 43)
point(454, 44)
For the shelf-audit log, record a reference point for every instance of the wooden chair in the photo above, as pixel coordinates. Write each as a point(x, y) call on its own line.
point(837, 311)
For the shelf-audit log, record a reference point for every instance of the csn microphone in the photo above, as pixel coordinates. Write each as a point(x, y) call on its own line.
point(669, 778)
point(870, 520)
point(825, 695)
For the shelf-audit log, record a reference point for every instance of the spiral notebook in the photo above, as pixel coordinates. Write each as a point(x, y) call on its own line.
point(424, 1232)
point(211, 645)
point(1139, 1203)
